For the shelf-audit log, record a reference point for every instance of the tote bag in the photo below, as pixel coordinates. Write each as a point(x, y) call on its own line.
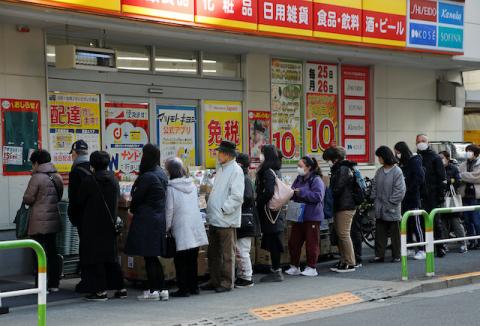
point(452, 199)
point(295, 212)
point(282, 194)
point(22, 220)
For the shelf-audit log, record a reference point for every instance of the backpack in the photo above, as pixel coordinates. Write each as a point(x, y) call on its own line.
point(359, 186)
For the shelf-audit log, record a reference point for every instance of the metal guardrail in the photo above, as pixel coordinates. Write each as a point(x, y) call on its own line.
point(41, 291)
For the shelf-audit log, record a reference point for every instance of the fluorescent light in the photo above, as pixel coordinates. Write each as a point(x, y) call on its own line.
point(209, 61)
point(133, 58)
point(210, 71)
point(134, 68)
point(50, 54)
point(174, 60)
point(176, 69)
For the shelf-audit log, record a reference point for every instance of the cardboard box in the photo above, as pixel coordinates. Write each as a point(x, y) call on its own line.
point(133, 268)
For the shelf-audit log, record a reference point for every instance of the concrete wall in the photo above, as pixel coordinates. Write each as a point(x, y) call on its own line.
point(472, 30)
point(22, 76)
point(404, 105)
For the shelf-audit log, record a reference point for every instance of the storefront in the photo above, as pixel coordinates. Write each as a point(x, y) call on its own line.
point(186, 74)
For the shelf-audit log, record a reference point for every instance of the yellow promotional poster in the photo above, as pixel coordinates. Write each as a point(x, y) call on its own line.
point(223, 121)
point(322, 123)
point(72, 116)
point(111, 5)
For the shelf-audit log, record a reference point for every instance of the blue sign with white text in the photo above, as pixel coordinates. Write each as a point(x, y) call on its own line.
point(451, 38)
point(422, 34)
point(450, 14)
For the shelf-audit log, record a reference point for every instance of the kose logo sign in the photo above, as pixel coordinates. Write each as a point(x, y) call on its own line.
point(423, 10)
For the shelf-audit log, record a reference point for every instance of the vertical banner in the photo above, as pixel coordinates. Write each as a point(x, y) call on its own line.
point(21, 134)
point(286, 107)
point(356, 112)
point(177, 133)
point(223, 121)
point(259, 133)
point(72, 116)
point(126, 132)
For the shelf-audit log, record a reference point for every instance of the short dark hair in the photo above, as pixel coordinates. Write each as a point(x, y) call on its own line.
point(334, 154)
point(473, 148)
point(40, 156)
point(175, 168)
point(386, 154)
point(244, 160)
point(99, 160)
point(445, 154)
point(150, 158)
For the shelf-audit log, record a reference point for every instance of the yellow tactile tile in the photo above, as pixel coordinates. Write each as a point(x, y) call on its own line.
point(459, 276)
point(306, 306)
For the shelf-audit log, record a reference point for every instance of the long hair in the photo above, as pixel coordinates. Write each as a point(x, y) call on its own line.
point(405, 152)
point(386, 154)
point(150, 158)
point(312, 163)
point(272, 160)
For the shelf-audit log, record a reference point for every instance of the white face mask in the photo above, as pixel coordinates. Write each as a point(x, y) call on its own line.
point(262, 157)
point(470, 155)
point(422, 146)
point(301, 171)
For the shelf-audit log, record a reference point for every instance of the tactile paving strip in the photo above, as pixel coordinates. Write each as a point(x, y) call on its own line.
point(306, 306)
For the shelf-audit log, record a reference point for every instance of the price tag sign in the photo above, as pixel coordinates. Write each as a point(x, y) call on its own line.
point(321, 78)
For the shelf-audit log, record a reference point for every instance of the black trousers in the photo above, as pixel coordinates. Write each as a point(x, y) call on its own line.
point(384, 230)
point(102, 277)
point(187, 270)
point(356, 235)
point(155, 276)
point(49, 244)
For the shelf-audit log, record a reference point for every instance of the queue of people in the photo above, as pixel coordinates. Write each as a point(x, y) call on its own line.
point(165, 202)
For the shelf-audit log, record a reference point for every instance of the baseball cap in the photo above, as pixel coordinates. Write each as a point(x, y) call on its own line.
point(79, 145)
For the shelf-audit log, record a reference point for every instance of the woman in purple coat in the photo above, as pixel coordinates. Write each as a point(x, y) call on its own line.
point(309, 191)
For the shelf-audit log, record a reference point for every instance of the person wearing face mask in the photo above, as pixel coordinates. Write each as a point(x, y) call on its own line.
point(470, 191)
point(433, 193)
point(414, 173)
point(309, 190)
point(453, 220)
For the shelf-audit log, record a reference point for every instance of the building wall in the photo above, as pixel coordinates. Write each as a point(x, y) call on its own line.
point(22, 76)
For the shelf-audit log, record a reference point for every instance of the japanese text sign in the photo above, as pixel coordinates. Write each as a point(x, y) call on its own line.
point(231, 13)
point(223, 121)
point(341, 19)
point(177, 133)
point(126, 132)
point(321, 78)
point(72, 116)
point(286, 16)
point(322, 123)
point(384, 22)
point(166, 9)
point(111, 5)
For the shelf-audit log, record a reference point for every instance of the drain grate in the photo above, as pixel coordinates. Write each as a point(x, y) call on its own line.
point(306, 306)
point(377, 293)
point(236, 319)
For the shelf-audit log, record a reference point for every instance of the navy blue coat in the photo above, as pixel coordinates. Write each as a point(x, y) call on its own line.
point(148, 208)
point(414, 180)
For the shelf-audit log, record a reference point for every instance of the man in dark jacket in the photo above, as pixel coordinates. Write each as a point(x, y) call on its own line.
point(341, 183)
point(433, 193)
point(81, 163)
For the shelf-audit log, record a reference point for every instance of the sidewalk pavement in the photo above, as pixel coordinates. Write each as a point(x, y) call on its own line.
point(246, 306)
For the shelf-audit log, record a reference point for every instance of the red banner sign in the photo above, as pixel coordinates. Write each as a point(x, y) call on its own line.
point(231, 13)
point(286, 16)
point(166, 9)
point(423, 10)
point(380, 25)
point(337, 22)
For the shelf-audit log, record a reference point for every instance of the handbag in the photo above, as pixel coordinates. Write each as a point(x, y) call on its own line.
point(295, 212)
point(452, 199)
point(248, 223)
point(281, 195)
point(169, 246)
point(21, 221)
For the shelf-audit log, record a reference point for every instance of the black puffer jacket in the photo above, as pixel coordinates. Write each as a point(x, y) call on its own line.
point(414, 180)
point(435, 180)
point(341, 183)
point(265, 188)
point(248, 207)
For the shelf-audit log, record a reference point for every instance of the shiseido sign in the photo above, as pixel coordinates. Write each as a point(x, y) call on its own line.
point(423, 10)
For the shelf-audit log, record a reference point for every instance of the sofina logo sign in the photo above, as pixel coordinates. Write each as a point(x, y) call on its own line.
point(421, 34)
point(451, 38)
point(450, 14)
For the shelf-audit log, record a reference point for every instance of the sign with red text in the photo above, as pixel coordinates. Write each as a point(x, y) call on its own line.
point(385, 22)
point(286, 16)
point(340, 20)
point(166, 9)
point(223, 121)
point(259, 133)
point(424, 10)
point(230, 13)
point(356, 112)
point(321, 78)
point(72, 116)
point(126, 132)
point(322, 123)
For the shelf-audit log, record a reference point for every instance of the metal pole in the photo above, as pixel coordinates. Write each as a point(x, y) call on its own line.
point(403, 238)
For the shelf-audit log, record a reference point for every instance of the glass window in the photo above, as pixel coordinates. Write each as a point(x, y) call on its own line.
point(171, 61)
point(133, 58)
point(221, 65)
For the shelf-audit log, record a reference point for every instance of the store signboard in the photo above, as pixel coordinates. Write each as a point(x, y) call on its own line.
point(340, 20)
point(259, 133)
point(177, 133)
point(223, 121)
point(322, 123)
point(384, 22)
point(21, 134)
point(286, 16)
point(436, 25)
point(110, 5)
point(72, 116)
point(240, 14)
point(286, 107)
point(126, 132)
point(165, 9)
point(356, 112)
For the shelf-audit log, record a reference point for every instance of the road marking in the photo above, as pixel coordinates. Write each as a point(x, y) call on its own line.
point(459, 276)
point(306, 306)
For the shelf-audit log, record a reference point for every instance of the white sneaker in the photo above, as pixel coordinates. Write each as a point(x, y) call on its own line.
point(410, 253)
point(310, 272)
point(149, 296)
point(293, 271)
point(164, 295)
point(420, 255)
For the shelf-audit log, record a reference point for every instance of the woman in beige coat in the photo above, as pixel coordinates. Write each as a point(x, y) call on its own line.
point(44, 191)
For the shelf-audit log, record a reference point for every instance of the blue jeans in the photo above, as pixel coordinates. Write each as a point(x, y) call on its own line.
point(472, 219)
